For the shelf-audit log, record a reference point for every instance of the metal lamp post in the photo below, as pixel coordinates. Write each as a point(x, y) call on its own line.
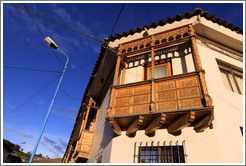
point(48, 41)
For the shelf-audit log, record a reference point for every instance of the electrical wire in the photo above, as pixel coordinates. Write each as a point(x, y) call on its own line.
point(117, 18)
point(16, 28)
point(69, 95)
point(38, 69)
point(21, 68)
point(35, 94)
point(58, 23)
point(42, 34)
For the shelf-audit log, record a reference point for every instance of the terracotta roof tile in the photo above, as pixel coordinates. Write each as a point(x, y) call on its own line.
point(179, 17)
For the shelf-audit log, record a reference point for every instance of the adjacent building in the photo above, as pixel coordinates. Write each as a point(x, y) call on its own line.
point(168, 92)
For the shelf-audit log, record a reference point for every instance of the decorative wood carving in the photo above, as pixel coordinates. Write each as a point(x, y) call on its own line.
point(174, 93)
point(166, 106)
point(190, 103)
point(189, 92)
point(167, 85)
point(142, 90)
point(140, 109)
point(187, 82)
point(194, 49)
point(181, 123)
point(156, 123)
point(204, 123)
point(124, 92)
point(140, 99)
point(135, 125)
point(120, 111)
point(147, 42)
point(122, 102)
point(166, 95)
point(114, 125)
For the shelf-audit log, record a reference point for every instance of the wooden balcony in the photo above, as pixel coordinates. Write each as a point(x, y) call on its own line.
point(85, 147)
point(172, 102)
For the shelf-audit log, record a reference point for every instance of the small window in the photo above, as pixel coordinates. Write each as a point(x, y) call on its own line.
point(163, 69)
point(232, 78)
point(91, 119)
point(162, 154)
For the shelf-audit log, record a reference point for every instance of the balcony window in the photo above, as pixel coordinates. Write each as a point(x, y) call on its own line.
point(232, 78)
point(162, 69)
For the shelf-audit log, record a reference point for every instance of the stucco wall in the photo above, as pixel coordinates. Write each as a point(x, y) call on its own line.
point(228, 106)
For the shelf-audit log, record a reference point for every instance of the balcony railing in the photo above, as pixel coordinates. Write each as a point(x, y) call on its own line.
point(175, 93)
point(171, 97)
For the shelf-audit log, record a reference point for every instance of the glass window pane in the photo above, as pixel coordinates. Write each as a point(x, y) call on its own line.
point(239, 80)
point(225, 78)
point(163, 154)
point(160, 72)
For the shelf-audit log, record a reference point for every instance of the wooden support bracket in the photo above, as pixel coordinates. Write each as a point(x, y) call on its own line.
point(156, 123)
point(181, 123)
point(204, 123)
point(114, 125)
point(135, 125)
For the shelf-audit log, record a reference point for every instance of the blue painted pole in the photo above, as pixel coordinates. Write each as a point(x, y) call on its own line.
point(48, 113)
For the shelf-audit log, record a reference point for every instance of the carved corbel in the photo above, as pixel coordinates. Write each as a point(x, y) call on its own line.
point(204, 123)
point(135, 125)
point(114, 125)
point(156, 123)
point(181, 123)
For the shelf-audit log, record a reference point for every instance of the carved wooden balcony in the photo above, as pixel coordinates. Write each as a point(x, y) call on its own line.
point(84, 149)
point(172, 102)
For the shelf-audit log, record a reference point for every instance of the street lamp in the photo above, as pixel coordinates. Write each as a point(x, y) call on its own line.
point(15, 146)
point(49, 42)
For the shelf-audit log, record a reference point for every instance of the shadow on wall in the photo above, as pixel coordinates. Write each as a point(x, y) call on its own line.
point(108, 135)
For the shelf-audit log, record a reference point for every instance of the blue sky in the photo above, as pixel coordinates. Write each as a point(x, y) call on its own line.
point(26, 102)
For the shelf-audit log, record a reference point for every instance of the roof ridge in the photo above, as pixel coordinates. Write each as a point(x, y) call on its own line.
point(178, 17)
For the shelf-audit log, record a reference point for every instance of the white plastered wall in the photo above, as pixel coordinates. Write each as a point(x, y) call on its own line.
point(228, 106)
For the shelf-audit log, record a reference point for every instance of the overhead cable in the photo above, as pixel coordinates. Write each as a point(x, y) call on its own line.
point(69, 95)
point(117, 18)
point(20, 68)
point(35, 94)
point(58, 23)
point(17, 26)
point(42, 34)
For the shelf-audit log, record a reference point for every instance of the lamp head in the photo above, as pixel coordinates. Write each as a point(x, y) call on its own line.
point(49, 42)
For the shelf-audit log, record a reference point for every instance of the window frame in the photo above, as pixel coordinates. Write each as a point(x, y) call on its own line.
point(233, 71)
point(165, 154)
point(158, 63)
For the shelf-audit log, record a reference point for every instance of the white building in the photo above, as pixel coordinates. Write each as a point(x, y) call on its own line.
point(192, 111)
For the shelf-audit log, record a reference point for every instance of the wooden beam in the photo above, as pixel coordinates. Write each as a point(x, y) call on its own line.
point(135, 125)
point(114, 125)
point(123, 74)
point(156, 123)
point(181, 123)
point(204, 123)
point(194, 49)
point(117, 69)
